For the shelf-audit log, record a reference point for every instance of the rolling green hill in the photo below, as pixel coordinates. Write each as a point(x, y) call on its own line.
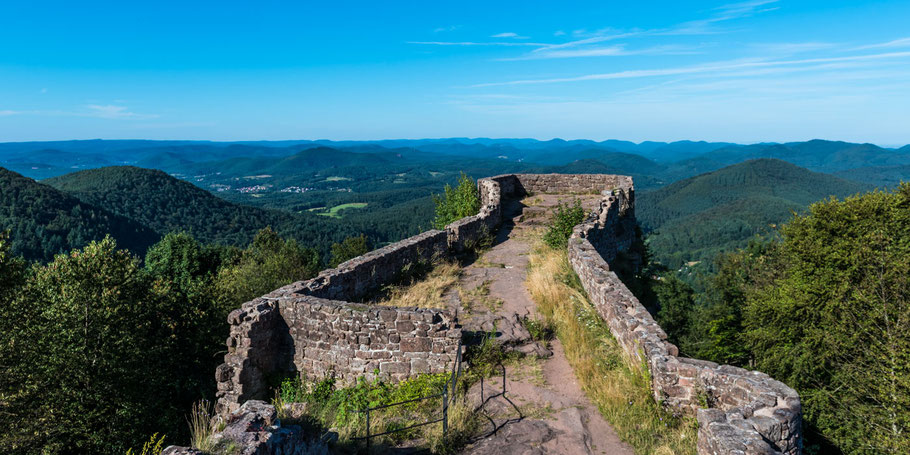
point(817, 155)
point(43, 221)
point(694, 219)
point(166, 204)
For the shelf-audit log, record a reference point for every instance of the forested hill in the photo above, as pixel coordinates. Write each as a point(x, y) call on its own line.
point(696, 218)
point(167, 204)
point(43, 221)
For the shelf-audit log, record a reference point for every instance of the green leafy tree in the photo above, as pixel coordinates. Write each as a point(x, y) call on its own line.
point(458, 202)
point(267, 264)
point(832, 323)
point(565, 219)
point(76, 341)
point(181, 275)
point(12, 270)
point(348, 249)
point(677, 302)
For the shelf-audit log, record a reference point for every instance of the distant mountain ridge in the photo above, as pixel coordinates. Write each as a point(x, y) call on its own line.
point(695, 218)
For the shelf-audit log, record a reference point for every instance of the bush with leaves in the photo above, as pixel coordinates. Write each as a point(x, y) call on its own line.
point(831, 320)
point(566, 217)
point(76, 341)
point(267, 264)
point(348, 249)
point(458, 202)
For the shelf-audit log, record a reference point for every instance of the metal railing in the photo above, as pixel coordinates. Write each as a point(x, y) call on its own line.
point(447, 395)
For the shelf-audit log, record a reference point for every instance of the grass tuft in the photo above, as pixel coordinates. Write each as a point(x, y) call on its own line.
point(621, 389)
point(202, 426)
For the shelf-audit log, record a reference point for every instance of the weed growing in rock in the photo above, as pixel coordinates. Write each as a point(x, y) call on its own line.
point(202, 426)
point(565, 219)
point(540, 329)
point(428, 292)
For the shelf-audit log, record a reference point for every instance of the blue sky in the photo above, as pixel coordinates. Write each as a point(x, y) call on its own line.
point(760, 70)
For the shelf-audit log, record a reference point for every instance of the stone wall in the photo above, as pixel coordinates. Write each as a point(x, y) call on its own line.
point(356, 340)
point(738, 411)
point(297, 329)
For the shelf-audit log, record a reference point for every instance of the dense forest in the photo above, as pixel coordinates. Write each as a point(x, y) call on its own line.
point(99, 350)
point(44, 222)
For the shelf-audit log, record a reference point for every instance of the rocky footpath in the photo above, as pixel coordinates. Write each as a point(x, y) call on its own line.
point(544, 410)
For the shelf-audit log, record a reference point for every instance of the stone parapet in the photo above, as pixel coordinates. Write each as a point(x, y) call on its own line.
point(738, 411)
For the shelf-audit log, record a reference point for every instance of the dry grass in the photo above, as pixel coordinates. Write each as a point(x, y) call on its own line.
point(620, 389)
point(428, 292)
point(202, 426)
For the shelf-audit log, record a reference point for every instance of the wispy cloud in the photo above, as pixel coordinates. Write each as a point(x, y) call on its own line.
point(583, 38)
point(780, 49)
point(598, 38)
point(477, 43)
point(91, 110)
point(898, 43)
point(113, 111)
point(722, 13)
point(607, 51)
point(450, 28)
point(509, 35)
point(705, 68)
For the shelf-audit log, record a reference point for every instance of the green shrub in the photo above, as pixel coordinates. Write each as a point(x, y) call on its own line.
point(565, 218)
point(458, 202)
point(348, 249)
point(341, 408)
point(540, 329)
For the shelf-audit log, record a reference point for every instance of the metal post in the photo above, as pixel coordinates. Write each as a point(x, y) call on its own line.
point(445, 412)
point(481, 389)
point(503, 380)
point(368, 430)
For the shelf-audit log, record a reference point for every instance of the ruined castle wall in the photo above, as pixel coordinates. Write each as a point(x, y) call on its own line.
point(356, 278)
point(353, 340)
point(738, 411)
point(297, 329)
point(314, 328)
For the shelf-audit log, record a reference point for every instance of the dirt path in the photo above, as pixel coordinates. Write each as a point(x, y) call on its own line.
point(544, 410)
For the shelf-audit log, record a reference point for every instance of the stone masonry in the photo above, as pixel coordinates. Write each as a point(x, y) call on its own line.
point(738, 411)
point(313, 328)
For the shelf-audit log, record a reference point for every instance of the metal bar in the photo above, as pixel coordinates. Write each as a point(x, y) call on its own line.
point(481, 388)
point(445, 394)
point(403, 429)
point(503, 378)
point(445, 414)
point(368, 430)
point(403, 402)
